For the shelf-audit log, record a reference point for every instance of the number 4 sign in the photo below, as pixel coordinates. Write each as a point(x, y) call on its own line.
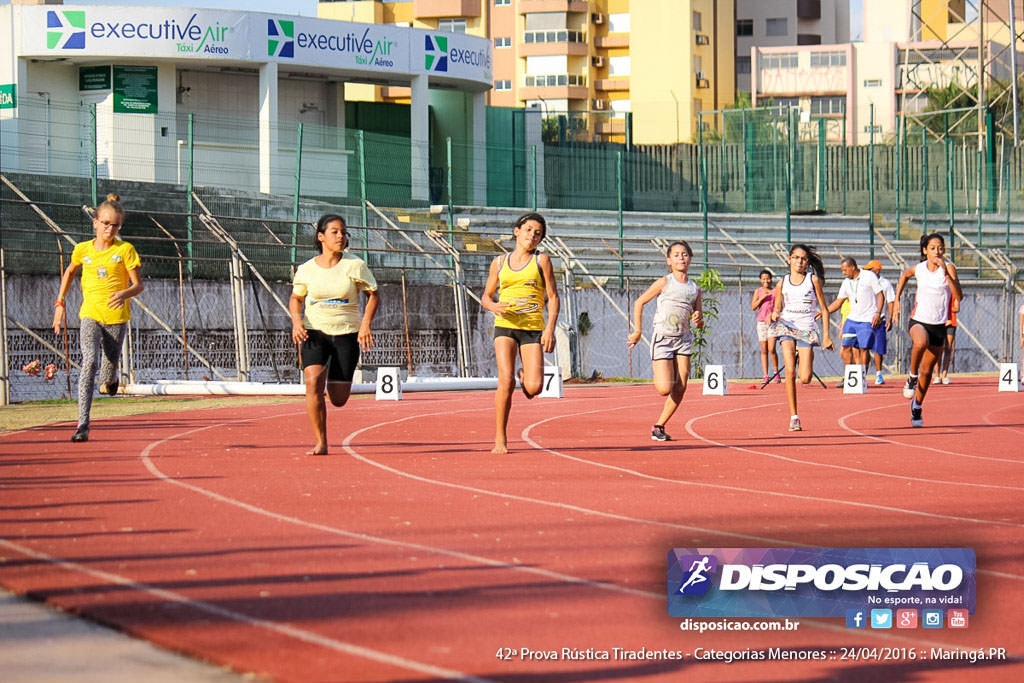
point(1009, 380)
point(552, 387)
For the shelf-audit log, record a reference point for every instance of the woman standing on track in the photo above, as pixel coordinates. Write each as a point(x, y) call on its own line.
point(330, 331)
point(799, 302)
point(936, 282)
point(679, 304)
point(110, 278)
point(521, 280)
point(949, 347)
point(763, 301)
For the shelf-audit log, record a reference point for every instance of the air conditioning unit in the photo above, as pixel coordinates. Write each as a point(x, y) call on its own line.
point(600, 104)
point(597, 61)
point(703, 83)
point(703, 39)
point(597, 18)
point(701, 76)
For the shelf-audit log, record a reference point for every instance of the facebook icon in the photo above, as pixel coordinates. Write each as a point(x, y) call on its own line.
point(856, 618)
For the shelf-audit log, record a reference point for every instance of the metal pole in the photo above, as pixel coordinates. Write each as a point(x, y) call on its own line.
point(93, 155)
point(189, 176)
point(871, 181)
point(5, 378)
point(298, 188)
point(900, 129)
point(533, 156)
point(1013, 74)
point(924, 179)
point(789, 207)
point(949, 178)
point(746, 164)
point(451, 201)
point(1006, 190)
point(703, 171)
point(618, 190)
point(361, 145)
point(819, 203)
point(846, 161)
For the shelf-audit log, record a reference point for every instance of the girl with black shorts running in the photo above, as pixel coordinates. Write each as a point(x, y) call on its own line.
point(936, 283)
point(330, 329)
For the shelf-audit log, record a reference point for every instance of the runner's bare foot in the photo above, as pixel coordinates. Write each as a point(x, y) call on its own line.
point(499, 449)
point(319, 449)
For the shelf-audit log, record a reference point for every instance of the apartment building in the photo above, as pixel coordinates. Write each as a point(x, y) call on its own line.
point(776, 23)
point(601, 60)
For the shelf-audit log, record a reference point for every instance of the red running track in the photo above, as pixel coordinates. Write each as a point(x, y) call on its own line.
point(410, 553)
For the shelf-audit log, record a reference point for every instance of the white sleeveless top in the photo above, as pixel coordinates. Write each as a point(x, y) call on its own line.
point(931, 304)
point(799, 303)
point(675, 306)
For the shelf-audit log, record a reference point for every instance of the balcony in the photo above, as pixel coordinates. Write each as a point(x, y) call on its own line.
point(553, 42)
point(554, 87)
point(612, 40)
point(611, 84)
point(438, 9)
point(611, 126)
point(808, 9)
point(531, 6)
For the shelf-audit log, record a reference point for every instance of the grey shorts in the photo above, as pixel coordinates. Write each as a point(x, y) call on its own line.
point(763, 330)
point(667, 348)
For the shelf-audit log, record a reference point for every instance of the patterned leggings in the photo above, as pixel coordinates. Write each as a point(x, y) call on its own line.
point(96, 337)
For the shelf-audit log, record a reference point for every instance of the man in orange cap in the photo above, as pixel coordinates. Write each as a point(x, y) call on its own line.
point(878, 346)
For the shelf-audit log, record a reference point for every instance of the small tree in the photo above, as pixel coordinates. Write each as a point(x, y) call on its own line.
point(710, 282)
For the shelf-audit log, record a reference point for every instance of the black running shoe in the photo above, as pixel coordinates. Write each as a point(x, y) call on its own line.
point(109, 389)
point(81, 434)
point(658, 434)
point(915, 415)
point(910, 388)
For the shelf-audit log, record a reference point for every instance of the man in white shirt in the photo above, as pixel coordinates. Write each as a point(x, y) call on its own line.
point(867, 303)
point(879, 345)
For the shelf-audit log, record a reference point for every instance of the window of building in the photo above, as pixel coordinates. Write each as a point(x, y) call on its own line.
point(744, 27)
point(870, 129)
point(621, 106)
point(503, 85)
point(696, 21)
point(618, 23)
point(779, 60)
point(451, 25)
point(873, 83)
point(828, 59)
point(743, 65)
point(504, 41)
point(775, 27)
point(828, 105)
point(553, 80)
point(785, 101)
point(618, 67)
point(558, 36)
point(502, 2)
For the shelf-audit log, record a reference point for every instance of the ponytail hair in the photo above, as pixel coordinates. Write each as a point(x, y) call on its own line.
point(113, 202)
point(814, 262)
point(680, 243)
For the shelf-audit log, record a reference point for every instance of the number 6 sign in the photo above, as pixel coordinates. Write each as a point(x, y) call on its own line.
point(714, 381)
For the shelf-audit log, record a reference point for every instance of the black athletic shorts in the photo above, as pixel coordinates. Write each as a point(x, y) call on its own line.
point(521, 337)
point(340, 353)
point(936, 333)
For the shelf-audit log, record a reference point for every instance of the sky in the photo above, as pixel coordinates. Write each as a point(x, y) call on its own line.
point(305, 8)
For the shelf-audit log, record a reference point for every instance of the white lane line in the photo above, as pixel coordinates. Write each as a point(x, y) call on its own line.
point(282, 629)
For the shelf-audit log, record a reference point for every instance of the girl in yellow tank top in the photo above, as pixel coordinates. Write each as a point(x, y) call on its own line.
point(521, 280)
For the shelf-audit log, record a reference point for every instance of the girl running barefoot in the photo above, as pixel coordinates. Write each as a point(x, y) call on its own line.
point(799, 302)
point(331, 332)
point(936, 283)
point(110, 278)
point(521, 280)
point(679, 304)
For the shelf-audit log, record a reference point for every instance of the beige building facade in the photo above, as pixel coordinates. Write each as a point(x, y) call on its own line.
point(658, 63)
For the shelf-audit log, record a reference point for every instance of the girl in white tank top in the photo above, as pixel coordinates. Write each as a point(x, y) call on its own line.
point(937, 281)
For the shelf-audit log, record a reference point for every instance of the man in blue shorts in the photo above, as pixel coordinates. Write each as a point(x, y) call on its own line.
point(879, 346)
point(862, 289)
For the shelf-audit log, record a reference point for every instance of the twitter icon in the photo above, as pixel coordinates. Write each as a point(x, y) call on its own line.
point(881, 618)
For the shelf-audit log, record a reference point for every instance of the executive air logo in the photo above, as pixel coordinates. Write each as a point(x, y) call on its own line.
point(817, 582)
point(280, 38)
point(65, 30)
point(436, 56)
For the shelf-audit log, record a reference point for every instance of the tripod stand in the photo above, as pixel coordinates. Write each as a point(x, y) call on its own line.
point(779, 372)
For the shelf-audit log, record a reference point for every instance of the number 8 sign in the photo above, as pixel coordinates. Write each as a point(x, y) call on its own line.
point(389, 385)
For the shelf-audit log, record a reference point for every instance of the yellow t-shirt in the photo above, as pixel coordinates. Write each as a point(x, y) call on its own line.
point(103, 273)
point(523, 290)
point(332, 294)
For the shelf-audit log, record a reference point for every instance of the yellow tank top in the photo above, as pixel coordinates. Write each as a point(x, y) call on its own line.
point(523, 290)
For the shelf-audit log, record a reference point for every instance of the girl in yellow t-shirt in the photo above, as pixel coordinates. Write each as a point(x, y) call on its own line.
point(110, 278)
point(329, 330)
point(521, 279)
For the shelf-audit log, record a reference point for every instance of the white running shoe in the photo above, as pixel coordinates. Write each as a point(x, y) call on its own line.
point(910, 387)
